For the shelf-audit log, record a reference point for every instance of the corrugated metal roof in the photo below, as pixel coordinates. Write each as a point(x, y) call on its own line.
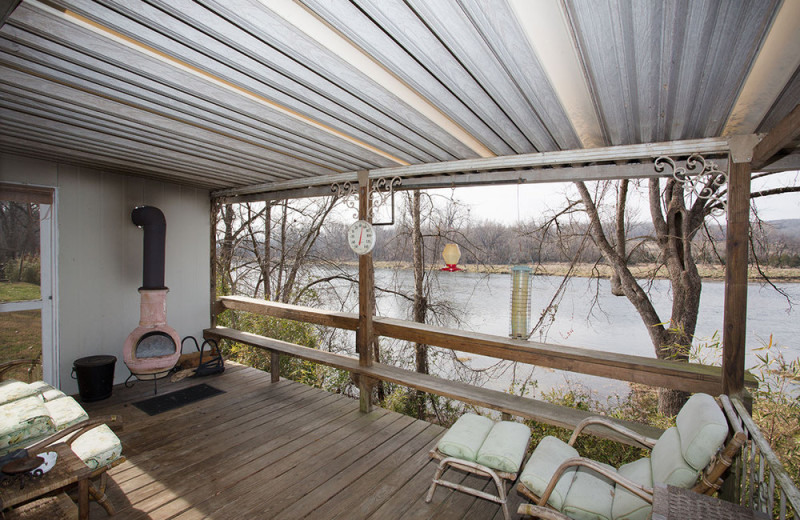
point(222, 94)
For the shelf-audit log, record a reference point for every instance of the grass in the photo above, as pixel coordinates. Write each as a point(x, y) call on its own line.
point(20, 332)
point(21, 338)
point(19, 291)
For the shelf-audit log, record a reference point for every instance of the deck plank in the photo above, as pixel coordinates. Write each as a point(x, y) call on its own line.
point(368, 487)
point(345, 479)
point(275, 450)
point(304, 467)
point(246, 458)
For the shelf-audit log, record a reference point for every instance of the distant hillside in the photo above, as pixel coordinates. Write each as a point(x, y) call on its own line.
point(788, 227)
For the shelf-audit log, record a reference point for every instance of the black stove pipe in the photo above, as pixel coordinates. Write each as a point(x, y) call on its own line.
point(152, 221)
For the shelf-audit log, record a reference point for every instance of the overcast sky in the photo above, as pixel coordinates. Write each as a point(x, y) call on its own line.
point(499, 203)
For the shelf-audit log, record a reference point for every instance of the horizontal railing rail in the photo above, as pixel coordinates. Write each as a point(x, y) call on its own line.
point(689, 377)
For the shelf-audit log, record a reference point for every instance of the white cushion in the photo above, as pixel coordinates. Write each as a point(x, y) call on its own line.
point(465, 437)
point(98, 447)
point(667, 461)
point(591, 495)
point(703, 429)
point(47, 392)
point(23, 422)
point(12, 390)
point(628, 506)
point(541, 466)
point(65, 412)
point(504, 448)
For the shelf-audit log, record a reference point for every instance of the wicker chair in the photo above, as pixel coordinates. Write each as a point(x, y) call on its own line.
point(11, 365)
point(698, 462)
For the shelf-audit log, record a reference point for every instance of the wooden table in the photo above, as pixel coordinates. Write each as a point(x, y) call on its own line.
point(672, 503)
point(68, 470)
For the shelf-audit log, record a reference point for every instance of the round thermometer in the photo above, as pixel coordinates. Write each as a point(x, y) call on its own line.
point(361, 237)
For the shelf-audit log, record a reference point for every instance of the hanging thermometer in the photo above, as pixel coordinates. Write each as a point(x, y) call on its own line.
point(361, 237)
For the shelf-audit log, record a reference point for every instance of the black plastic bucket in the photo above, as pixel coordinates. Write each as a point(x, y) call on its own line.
point(95, 375)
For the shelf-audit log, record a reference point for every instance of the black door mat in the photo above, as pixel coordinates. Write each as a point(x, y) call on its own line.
point(172, 400)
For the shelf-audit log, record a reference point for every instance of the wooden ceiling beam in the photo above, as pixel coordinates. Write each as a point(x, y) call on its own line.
point(781, 136)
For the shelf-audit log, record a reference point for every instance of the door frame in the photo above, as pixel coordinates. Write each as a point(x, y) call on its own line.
point(47, 200)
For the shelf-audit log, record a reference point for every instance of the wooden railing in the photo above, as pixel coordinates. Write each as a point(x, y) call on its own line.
point(760, 479)
point(670, 374)
point(689, 377)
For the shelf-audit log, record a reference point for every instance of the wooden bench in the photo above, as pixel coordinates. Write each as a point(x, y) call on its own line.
point(524, 407)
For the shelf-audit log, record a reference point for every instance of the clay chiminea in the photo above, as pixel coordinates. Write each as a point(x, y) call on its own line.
point(153, 348)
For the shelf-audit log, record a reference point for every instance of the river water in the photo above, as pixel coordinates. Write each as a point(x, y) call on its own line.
point(588, 316)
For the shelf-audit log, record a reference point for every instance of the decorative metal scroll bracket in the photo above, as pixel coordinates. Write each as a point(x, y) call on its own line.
point(700, 178)
point(381, 191)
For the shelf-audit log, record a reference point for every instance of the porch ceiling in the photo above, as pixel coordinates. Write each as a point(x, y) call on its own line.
point(229, 94)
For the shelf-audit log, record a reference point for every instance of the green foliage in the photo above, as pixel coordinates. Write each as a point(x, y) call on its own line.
point(776, 404)
point(784, 260)
point(401, 400)
point(438, 410)
point(285, 330)
point(304, 334)
point(601, 450)
point(25, 269)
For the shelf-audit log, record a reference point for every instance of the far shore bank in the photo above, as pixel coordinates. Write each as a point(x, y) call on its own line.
point(707, 271)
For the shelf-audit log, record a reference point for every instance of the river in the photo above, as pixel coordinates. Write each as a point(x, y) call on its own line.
point(588, 316)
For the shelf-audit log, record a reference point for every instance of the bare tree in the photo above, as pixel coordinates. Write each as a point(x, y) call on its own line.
point(19, 231)
point(677, 216)
point(420, 304)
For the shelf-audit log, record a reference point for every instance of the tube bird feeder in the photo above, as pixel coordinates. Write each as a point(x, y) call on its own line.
point(521, 282)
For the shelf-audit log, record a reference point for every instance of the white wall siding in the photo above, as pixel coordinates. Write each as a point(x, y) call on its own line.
point(100, 256)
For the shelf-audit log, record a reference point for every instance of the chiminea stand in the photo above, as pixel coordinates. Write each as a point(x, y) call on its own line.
point(131, 380)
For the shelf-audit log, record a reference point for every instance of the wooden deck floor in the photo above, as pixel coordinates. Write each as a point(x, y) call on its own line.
point(282, 450)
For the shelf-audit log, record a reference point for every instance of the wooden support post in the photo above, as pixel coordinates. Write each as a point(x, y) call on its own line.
point(213, 259)
point(736, 249)
point(781, 136)
point(366, 282)
point(275, 366)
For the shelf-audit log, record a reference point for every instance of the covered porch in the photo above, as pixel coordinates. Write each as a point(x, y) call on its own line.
point(191, 106)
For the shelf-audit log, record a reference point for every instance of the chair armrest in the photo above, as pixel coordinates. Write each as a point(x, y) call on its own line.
point(8, 365)
point(545, 513)
point(643, 492)
point(81, 428)
point(608, 423)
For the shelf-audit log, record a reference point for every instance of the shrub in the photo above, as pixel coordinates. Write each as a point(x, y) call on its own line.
point(776, 404)
point(11, 270)
point(31, 271)
point(25, 269)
